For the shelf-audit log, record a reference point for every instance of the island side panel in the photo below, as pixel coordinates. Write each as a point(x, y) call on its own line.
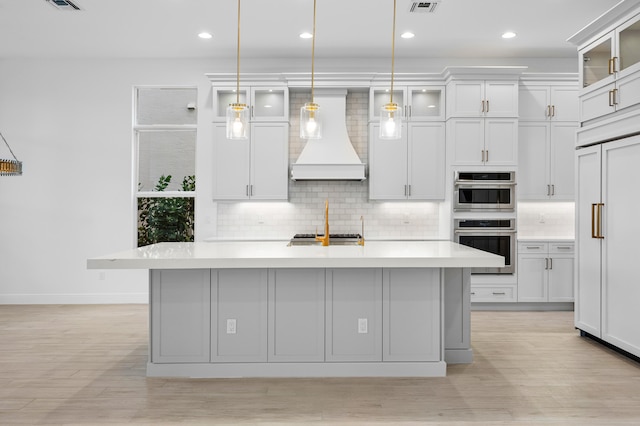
point(296, 315)
point(180, 315)
point(457, 316)
point(239, 315)
point(354, 314)
point(412, 326)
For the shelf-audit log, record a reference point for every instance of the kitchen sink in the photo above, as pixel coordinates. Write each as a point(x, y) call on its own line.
point(334, 240)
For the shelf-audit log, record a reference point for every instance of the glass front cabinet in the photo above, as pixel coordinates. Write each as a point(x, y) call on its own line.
point(610, 72)
point(417, 103)
point(265, 103)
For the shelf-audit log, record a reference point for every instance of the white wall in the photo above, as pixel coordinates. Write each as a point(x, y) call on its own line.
point(69, 121)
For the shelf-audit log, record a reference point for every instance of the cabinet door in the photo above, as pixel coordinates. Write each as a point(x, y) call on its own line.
point(588, 249)
point(269, 161)
point(628, 93)
point(501, 141)
point(621, 231)
point(564, 103)
point(466, 140)
point(426, 161)
point(269, 104)
point(379, 96)
point(562, 176)
point(561, 278)
point(533, 103)
point(223, 96)
point(239, 315)
point(533, 161)
point(501, 99)
point(411, 315)
point(180, 315)
point(597, 103)
point(628, 36)
point(230, 166)
point(464, 99)
point(296, 315)
point(532, 278)
point(387, 166)
point(595, 60)
point(426, 103)
point(354, 315)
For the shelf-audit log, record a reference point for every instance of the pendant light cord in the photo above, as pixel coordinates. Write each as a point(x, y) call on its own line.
point(393, 49)
point(313, 48)
point(238, 60)
point(7, 143)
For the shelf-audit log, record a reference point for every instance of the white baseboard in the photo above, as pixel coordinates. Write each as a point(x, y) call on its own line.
point(73, 299)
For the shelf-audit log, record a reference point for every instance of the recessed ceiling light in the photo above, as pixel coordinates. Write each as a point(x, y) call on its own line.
point(306, 35)
point(509, 34)
point(205, 35)
point(407, 34)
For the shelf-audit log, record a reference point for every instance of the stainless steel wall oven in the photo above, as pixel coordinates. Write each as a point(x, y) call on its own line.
point(497, 236)
point(484, 191)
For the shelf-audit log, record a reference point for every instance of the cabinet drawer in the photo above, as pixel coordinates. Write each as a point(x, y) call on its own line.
point(533, 247)
point(494, 294)
point(561, 248)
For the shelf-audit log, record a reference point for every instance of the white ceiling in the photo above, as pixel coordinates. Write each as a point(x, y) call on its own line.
point(270, 28)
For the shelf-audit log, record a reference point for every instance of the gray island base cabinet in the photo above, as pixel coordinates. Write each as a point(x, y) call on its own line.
point(262, 309)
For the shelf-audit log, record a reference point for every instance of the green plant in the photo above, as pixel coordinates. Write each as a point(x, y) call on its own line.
point(162, 219)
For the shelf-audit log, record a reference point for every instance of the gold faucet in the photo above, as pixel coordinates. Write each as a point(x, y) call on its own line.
point(325, 239)
point(361, 239)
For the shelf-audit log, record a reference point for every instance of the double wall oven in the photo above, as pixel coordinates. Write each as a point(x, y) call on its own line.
point(484, 205)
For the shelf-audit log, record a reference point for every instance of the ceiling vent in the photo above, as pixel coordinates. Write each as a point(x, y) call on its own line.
point(423, 6)
point(63, 4)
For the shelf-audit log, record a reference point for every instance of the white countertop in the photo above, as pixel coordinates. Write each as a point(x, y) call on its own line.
point(276, 254)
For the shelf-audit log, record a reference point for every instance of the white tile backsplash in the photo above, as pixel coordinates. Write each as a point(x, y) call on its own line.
point(546, 220)
point(347, 200)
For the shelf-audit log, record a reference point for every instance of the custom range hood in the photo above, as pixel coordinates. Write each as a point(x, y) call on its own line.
point(333, 156)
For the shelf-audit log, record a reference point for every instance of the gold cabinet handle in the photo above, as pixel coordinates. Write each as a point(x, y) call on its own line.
point(550, 263)
point(499, 293)
point(599, 221)
point(487, 156)
point(482, 102)
point(614, 62)
point(610, 66)
point(553, 189)
point(548, 190)
point(615, 96)
point(546, 263)
point(593, 220)
point(553, 110)
point(611, 98)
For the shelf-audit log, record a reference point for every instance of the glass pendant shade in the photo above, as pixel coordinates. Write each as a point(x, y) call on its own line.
point(390, 122)
point(237, 121)
point(310, 121)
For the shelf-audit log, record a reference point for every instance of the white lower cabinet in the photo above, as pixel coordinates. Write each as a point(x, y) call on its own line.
point(180, 315)
point(545, 271)
point(607, 232)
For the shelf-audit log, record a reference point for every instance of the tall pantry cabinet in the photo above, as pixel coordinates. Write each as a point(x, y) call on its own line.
point(608, 287)
point(607, 202)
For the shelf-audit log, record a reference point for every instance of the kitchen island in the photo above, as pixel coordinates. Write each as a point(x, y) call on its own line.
point(265, 309)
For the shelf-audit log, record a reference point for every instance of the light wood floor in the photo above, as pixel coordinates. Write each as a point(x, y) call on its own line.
point(86, 365)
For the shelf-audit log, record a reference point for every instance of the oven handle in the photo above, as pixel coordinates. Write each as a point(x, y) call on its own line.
point(485, 184)
point(493, 231)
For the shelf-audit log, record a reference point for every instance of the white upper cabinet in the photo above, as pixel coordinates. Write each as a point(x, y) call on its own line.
point(412, 168)
point(482, 98)
point(252, 169)
point(610, 69)
point(417, 103)
point(265, 103)
point(483, 141)
point(548, 103)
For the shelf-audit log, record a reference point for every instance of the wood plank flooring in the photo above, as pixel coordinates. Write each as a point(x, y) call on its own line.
point(85, 364)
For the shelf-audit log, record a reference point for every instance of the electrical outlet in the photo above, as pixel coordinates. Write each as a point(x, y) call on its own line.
point(541, 218)
point(362, 326)
point(231, 326)
point(406, 219)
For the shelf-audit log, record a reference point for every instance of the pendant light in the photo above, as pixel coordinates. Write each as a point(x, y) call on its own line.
point(390, 117)
point(310, 123)
point(237, 113)
point(10, 167)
